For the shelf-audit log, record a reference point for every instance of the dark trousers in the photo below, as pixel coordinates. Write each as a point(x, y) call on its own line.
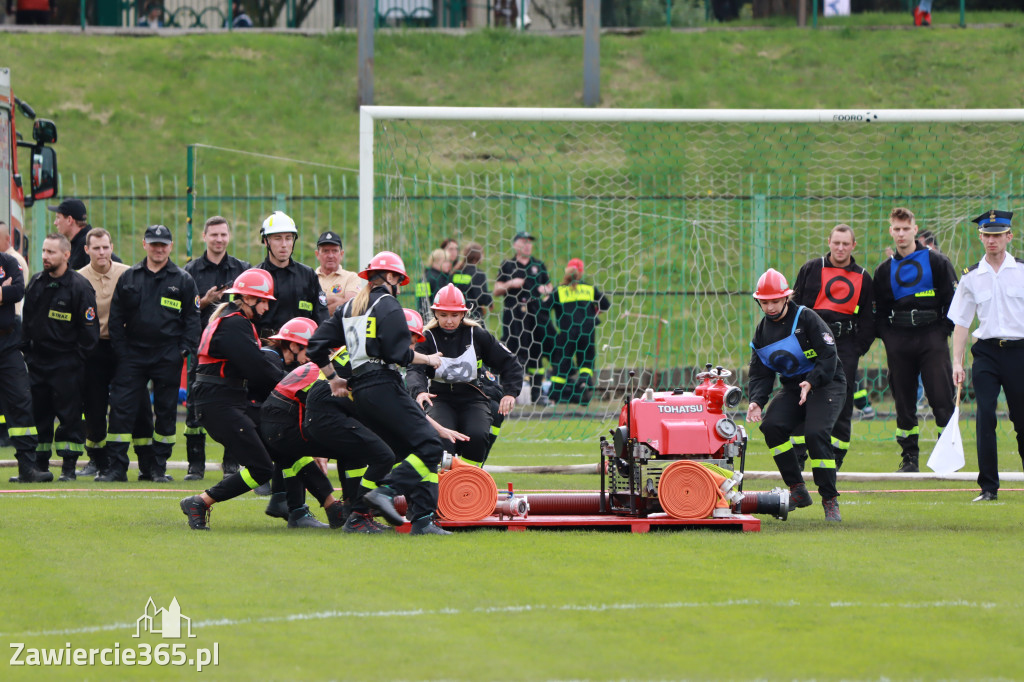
point(390, 411)
point(525, 338)
point(574, 348)
point(364, 459)
point(293, 456)
point(57, 394)
point(467, 414)
point(229, 422)
point(996, 367)
point(97, 377)
point(846, 349)
point(16, 396)
point(139, 366)
point(920, 351)
point(818, 416)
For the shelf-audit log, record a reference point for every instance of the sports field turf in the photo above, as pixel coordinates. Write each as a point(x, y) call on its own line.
point(912, 585)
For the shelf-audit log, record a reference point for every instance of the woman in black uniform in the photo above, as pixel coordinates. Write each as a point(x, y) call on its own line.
point(373, 327)
point(230, 360)
point(453, 391)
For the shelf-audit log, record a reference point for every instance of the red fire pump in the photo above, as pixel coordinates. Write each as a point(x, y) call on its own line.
point(639, 470)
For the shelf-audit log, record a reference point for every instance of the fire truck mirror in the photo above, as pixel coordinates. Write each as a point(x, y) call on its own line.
point(44, 173)
point(44, 131)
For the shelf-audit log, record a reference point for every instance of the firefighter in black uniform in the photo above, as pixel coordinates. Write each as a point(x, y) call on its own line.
point(840, 292)
point(230, 363)
point(452, 391)
point(435, 276)
point(213, 272)
point(472, 282)
point(154, 325)
point(525, 328)
point(913, 290)
point(59, 333)
point(793, 342)
point(15, 395)
point(374, 329)
point(577, 307)
point(296, 286)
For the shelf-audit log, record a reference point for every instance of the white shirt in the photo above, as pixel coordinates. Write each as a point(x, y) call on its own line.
point(997, 298)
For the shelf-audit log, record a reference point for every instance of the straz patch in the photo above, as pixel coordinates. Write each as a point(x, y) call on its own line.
point(680, 409)
point(58, 315)
point(306, 305)
point(171, 303)
point(827, 337)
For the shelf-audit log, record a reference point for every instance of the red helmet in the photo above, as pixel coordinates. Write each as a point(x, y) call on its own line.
point(450, 300)
point(575, 263)
point(771, 285)
point(387, 261)
point(254, 282)
point(297, 329)
point(415, 322)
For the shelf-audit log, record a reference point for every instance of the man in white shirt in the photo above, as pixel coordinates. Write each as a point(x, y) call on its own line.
point(992, 289)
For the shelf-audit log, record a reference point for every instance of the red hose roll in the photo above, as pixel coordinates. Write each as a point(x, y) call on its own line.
point(466, 493)
point(687, 490)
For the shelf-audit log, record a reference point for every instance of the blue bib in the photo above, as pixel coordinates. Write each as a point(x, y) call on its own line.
point(912, 275)
point(786, 356)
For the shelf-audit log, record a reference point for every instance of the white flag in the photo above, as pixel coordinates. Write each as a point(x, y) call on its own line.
point(948, 454)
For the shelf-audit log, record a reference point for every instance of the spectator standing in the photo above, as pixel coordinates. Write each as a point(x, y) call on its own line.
point(913, 290)
point(451, 251)
point(71, 221)
point(296, 287)
point(153, 17)
point(840, 292)
point(213, 272)
point(472, 282)
point(58, 334)
point(15, 395)
point(31, 11)
point(154, 325)
point(6, 246)
point(239, 17)
point(338, 284)
point(577, 307)
point(523, 281)
point(991, 290)
point(435, 276)
point(923, 13)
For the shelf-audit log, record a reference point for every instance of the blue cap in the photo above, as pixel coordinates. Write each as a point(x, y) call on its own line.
point(994, 222)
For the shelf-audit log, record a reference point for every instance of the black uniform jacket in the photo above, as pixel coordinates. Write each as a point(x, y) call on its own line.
point(808, 287)
point(473, 283)
point(535, 274)
point(298, 293)
point(812, 334)
point(489, 351)
point(235, 342)
point(391, 342)
point(943, 279)
point(207, 274)
point(154, 309)
point(60, 323)
point(13, 292)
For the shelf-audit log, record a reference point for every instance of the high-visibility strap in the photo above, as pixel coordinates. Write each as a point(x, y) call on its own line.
point(22, 431)
point(68, 446)
point(586, 370)
point(476, 464)
point(166, 440)
point(44, 447)
point(904, 433)
point(294, 469)
point(367, 483)
point(862, 393)
point(785, 447)
point(559, 380)
point(95, 444)
point(119, 438)
point(194, 431)
point(841, 444)
point(137, 442)
point(416, 463)
point(798, 440)
point(822, 463)
point(355, 473)
point(3, 419)
point(536, 370)
point(249, 480)
point(495, 430)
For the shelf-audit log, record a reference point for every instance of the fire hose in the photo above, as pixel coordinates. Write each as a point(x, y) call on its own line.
point(465, 493)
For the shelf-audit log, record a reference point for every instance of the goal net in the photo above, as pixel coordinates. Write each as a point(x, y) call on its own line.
point(674, 214)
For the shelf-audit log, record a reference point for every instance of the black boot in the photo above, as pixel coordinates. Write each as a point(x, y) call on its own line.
point(27, 471)
point(383, 500)
point(337, 514)
point(43, 460)
point(278, 506)
point(302, 518)
point(195, 451)
point(798, 496)
point(67, 469)
point(908, 465)
point(425, 525)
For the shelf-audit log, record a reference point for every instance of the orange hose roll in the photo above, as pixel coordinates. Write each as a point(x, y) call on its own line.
point(466, 493)
point(688, 490)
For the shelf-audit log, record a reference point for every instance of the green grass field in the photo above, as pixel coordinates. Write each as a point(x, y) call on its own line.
point(913, 585)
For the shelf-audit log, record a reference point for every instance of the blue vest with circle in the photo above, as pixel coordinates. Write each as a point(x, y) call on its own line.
point(911, 275)
point(786, 356)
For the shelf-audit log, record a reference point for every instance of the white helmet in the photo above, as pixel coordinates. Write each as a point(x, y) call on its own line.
point(278, 222)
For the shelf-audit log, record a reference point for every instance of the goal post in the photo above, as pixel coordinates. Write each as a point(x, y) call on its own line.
point(675, 212)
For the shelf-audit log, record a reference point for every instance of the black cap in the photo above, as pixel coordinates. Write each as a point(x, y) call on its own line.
point(158, 234)
point(522, 235)
point(329, 238)
point(72, 208)
point(994, 222)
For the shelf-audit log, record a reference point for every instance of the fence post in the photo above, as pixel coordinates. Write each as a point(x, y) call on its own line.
point(367, 9)
point(591, 53)
point(760, 232)
point(190, 198)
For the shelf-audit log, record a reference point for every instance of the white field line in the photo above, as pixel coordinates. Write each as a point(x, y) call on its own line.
point(524, 608)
